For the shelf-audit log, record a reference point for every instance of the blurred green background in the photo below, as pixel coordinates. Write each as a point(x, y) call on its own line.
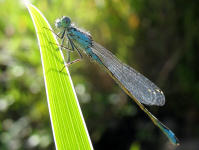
point(158, 38)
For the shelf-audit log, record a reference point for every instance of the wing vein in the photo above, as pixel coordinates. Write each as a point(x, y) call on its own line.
point(138, 86)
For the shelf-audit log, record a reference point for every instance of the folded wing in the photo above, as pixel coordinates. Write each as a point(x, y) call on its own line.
point(134, 84)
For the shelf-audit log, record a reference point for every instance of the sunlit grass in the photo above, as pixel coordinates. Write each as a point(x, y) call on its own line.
point(68, 125)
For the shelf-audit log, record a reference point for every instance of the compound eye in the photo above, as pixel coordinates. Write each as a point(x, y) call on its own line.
point(67, 20)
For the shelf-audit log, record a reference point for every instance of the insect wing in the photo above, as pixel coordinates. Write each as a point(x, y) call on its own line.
point(137, 86)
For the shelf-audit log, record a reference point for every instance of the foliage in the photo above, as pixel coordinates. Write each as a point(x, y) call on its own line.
point(68, 125)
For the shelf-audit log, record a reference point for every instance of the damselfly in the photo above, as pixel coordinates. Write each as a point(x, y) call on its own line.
point(138, 87)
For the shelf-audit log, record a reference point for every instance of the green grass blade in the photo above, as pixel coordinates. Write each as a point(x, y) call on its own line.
point(67, 121)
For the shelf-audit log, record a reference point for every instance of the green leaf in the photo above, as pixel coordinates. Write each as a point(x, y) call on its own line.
point(67, 121)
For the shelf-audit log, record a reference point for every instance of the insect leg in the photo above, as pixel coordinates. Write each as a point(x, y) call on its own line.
point(57, 34)
point(73, 47)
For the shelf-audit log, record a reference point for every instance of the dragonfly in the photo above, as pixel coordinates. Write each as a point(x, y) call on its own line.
point(134, 84)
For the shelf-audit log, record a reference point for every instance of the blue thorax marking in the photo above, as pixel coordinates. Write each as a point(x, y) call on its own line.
point(84, 40)
point(81, 38)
